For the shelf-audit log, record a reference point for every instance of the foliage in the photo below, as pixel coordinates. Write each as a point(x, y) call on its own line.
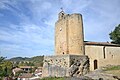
point(53, 78)
point(2, 59)
point(37, 60)
point(115, 35)
point(5, 67)
point(23, 63)
point(33, 70)
point(1, 68)
point(18, 73)
point(18, 59)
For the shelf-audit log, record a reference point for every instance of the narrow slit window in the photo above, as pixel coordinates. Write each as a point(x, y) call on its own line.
point(104, 52)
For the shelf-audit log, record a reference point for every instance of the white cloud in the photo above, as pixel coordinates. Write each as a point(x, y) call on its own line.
point(46, 5)
point(107, 17)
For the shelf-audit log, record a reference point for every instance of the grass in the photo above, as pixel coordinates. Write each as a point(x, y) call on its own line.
point(53, 78)
point(112, 68)
point(115, 70)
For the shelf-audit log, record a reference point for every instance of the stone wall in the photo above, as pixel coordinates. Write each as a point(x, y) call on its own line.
point(104, 55)
point(65, 65)
point(69, 34)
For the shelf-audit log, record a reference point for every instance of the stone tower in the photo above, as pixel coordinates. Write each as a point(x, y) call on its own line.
point(69, 34)
point(69, 48)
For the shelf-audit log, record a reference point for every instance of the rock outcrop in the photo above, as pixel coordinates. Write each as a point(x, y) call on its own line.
point(65, 65)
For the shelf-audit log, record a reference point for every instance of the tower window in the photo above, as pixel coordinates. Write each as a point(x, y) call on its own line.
point(60, 29)
point(62, 15)
point(112, 56)
point(104, 52)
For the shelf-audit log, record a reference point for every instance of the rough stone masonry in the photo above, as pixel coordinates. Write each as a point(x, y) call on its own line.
point(69, 48)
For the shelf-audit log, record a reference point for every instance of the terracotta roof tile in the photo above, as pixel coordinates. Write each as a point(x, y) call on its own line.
point(17, 69)
point(26, 75)
point(26, 66)
point(100, 43)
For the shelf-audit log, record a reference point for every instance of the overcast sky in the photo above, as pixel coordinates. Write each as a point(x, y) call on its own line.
point(27, 26)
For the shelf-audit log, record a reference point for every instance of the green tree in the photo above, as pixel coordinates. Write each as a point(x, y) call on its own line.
point(1, 59)
point(5, 68)
point(21, 64)
point(1, 69)
point(18, 73)
point(115, 35)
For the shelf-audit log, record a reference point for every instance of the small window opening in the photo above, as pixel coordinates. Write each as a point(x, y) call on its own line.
point(95, 64)
point(81, 47)
point(62, 15)
point(112, 56)
point(60, 29)
point(104, 52)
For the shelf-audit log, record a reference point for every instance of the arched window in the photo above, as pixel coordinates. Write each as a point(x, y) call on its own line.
point(95, 64)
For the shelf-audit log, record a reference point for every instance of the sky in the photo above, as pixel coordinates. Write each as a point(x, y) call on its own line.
point(27, 26)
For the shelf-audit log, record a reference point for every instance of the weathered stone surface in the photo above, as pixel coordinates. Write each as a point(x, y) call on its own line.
point(105, 55)
point(69, 34)
point(98, 74)
point(79, 67)
point(65, 65)
point(78, 78)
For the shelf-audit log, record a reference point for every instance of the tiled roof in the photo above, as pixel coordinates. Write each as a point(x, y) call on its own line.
point(17, 69)
point(26, 66)
point(101, 43)
point(26, 75)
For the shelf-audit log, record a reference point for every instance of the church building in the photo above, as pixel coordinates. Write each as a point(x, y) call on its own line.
point(69, 39)
point(74, 56)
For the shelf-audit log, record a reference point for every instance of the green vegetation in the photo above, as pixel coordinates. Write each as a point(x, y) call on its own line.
point(18, 73)
point(36, 61)
point(112, 68)
point(53, 78)
point(23, 63)
point(5, 68)
point(115, 35)
point(18, 59)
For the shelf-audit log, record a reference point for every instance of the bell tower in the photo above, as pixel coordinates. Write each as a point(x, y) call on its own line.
point(69, 35)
